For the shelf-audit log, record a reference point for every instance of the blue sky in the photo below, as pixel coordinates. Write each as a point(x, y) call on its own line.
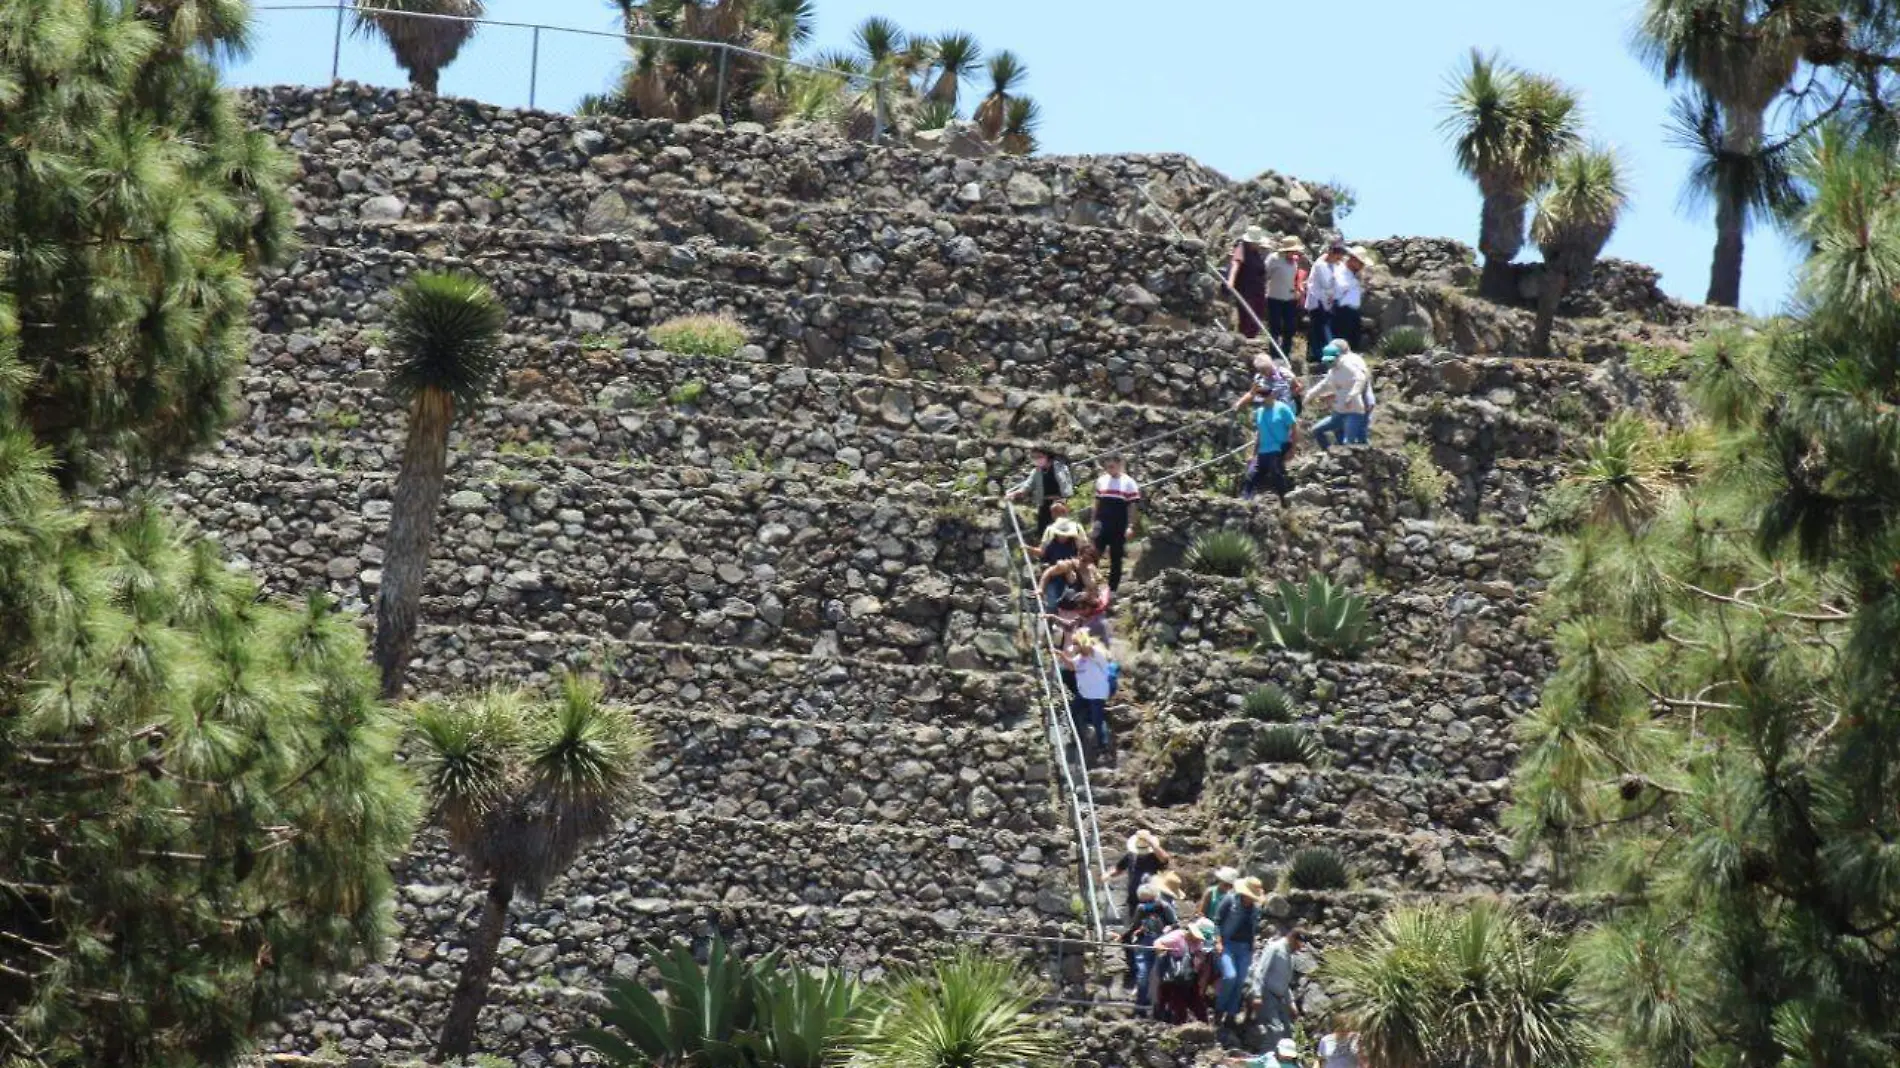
point(1347, 92)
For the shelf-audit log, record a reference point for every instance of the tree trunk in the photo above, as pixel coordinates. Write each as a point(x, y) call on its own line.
point(425, 78)
point(1741, 136)
point(1500, 238)
point(471, 991)
point(1549, 295)
point(418, 494)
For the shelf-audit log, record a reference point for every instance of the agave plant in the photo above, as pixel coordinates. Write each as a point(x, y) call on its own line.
point(1269, 703)
point(1228, 553)
point(1404, 341)
point(1287, 743)
point(1317, 868)
point(1323, 618)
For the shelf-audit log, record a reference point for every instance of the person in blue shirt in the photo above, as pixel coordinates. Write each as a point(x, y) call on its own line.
point(1275, 426)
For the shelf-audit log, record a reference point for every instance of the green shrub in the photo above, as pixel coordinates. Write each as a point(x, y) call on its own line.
point(699, 335)
point(687, 392)
point(1268, 703)
point(1654, 361)
point(1322, 617)
point(1230, 553)
point(1404, 341)
point(1317, 869)
point(1287, 743)
point(1425, 481)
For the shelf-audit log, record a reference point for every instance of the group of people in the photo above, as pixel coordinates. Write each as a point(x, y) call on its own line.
point(1075, 595)
point(1278, 397)
point(1203, 967)
point(1278, 286)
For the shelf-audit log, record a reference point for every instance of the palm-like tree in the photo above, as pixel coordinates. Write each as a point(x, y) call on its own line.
point(1508, 129)
point(1480, 987)
point(1022, 116)
point(422, 45)
point(954, 56)
point(521, 785)
point(1577, 212)
point(967, 1011)
point(1742, 56)
point(1007, 73)
point(445, 332)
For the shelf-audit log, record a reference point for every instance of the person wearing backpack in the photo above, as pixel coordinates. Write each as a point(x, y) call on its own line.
point(1088, 658)
point(1179, 971)
point(1153, 918)
point(1239, 917)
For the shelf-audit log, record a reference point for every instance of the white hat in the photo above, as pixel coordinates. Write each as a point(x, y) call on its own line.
point(1287, 1048)
point(1255, 236)
point(1226, 875)
point(1142, 842)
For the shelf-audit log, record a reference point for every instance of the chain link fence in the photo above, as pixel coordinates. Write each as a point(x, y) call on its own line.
point(508, 64)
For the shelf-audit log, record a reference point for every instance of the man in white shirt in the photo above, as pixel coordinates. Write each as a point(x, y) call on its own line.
point(1323, 289)
point(1347, 323)
point(1347, 384)
point(1116, 498)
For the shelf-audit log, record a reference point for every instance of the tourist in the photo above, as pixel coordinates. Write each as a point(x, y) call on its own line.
point(1286, 271)
point(1272, 380)
point(1275, 430)
point(1049, 482)
point(1323, 288)
point(1344, 388)
point(1247, 279)
point(1339, 1048)
point(1089, 660)
point(1222, 886)
point(1286, 1054)
point(1178, 977)
point(1239, 915)
point(1144, 859)
point(1067, 570)
point(1347, 322)
point(1169, 883)
point(1272, 985)
point(1152, 918)
point(1117, 496)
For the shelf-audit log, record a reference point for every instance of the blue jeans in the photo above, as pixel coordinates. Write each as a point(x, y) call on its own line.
point(1095, 711)
point(1144, 964)
point(1052, 594)
point(1236, 960)
point(1349, 428)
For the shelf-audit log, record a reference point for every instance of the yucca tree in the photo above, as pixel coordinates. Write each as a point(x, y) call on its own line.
point(1022, 117)
point(1007, 73)
point(1508, 129)
point(669, 79)
point(970, 1010)
point(521, 784)
point(444, 332)
point(954, 56)
point(1741, 55)
point(1480, 987)
point(422, 45)
point(1577, 212)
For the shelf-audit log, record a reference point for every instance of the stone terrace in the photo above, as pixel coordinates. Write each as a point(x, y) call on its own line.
point(787, 563)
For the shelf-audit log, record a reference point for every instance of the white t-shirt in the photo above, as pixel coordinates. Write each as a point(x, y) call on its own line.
point(1337, 1052)
point(1091, 676)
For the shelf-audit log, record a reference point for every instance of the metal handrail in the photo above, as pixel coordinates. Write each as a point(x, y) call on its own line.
point(1082, 796)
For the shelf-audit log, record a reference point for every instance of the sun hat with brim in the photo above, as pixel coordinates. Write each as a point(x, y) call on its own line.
point(1250, 889)
point(1360, 253)
point(1293, 244)
point(1142, 842)
point(1065, 528)
point(1286, 1048)
point(1169, 882)
point(1255, 236)
point(1226, 875)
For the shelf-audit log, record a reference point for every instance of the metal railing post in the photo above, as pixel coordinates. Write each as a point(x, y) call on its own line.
point(336, 44)
point(534, 66)
point(720, 100)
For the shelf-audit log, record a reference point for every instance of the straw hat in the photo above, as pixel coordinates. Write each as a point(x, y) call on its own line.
point(1065, 528)
point(1250, 889)
point(1228, 876)
point(1293, 244)
point(1255, 236)
point(1169, 882)
point(1360, 253)
point(1143, 841)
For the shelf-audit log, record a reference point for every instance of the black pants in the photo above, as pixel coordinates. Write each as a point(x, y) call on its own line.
point(1283, 317)
point(1253, 313)
point(1113, 544)
point(1043, 518)
point(1269, 472)
point(1319, 331)
point(1348, 326)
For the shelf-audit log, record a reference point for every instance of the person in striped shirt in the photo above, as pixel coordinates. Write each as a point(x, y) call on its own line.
point(1116, 498)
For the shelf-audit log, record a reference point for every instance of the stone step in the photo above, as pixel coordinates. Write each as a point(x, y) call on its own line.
point(960, 262)
point(1285, 795)
point(336, 289)
point(1429, 861)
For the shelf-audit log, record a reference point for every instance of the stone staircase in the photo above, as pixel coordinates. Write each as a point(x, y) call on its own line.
point(789, 563)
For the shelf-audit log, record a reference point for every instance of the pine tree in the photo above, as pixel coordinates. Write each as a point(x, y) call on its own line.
point(201, 799)
point(133, 199)
point(1720, 749)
